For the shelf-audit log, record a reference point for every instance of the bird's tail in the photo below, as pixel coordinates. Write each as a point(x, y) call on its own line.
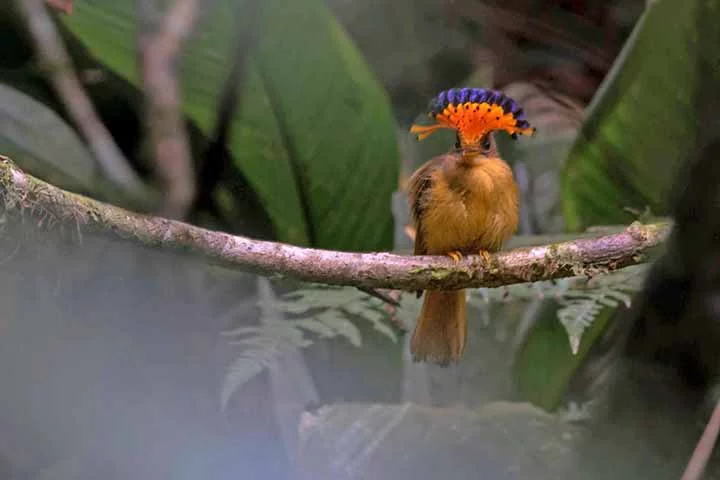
point(441, 329)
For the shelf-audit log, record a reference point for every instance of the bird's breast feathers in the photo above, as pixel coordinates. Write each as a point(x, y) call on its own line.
point(471, 205)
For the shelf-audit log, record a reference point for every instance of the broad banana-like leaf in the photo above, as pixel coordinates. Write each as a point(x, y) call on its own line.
point(643, 123)
point(38, 140)
point(314, 132)
point(641, 128)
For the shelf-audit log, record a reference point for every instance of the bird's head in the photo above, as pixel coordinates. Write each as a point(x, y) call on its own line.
point(474, 113)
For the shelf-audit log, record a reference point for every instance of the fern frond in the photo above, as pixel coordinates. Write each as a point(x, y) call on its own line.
point(576, 316)
point(242, 370)
point(584, 302)
point(581, 299)
point(296, 320)
point(341, 326)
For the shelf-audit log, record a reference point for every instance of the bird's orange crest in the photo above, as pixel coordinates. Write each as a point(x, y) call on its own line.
point(473, 113)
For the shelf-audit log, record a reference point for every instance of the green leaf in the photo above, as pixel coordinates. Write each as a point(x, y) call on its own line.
point(643, 122)
point(314, 133)
point(43, 144)
point(315, 326)
point(341, 325)
point(566, 329)
point(240, 372)
point(621, 296)
point(545, 364)
point(379, 321)
point(284, 332)
point(319, 296)
point(577, 315)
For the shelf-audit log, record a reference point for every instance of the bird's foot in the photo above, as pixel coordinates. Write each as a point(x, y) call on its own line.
point(485, 256)
point(456, 256)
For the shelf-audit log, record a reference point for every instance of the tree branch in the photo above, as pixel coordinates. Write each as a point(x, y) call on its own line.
point(64, 6)
point(160, 41)
point(56, 60)
point(587, 256)
point(704, 448)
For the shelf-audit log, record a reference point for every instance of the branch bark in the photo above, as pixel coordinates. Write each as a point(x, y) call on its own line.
point(55, 59)
point(588, 256)
point(160, 41)
point(704, 448)
point(64, 6)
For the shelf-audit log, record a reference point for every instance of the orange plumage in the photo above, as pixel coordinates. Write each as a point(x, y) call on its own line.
point(464, 202)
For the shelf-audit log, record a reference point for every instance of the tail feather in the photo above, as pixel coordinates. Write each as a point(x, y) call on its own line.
point(441, 329)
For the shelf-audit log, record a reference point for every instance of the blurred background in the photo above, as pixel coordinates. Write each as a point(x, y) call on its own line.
point(288, 120)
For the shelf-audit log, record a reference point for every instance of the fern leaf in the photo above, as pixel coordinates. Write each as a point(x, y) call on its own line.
point(239, 373)
point(621, 296)
point(315, 326)
point(576, 316)
point(378, 320)
point(331, 297)
point(608, 301)
point(341, 326)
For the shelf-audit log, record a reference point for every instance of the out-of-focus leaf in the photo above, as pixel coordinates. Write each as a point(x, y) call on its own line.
point(545, 364)
point(341, 326)
point(562, 332)
point(379, 321)
point(43, 144)
point(643, 121)
point(243, 370)
point(314, 134)
point(325, 313)
point(640, 129)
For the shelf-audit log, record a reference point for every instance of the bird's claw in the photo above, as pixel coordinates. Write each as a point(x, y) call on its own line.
point(456, 256)
point(485, 256)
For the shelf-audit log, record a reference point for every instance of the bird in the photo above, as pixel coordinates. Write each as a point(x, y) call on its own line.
point(463, 202)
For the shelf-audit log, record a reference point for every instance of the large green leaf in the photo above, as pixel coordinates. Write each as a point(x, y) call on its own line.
point(43, 144)
point(642, 124)
point(314, 134)
point(545, 364)
point(645, 122)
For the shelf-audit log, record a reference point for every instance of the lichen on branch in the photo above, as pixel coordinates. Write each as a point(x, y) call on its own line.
point(586, 256)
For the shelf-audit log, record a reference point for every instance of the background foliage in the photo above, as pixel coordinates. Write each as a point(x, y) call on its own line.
point(298, 108)
point(317, 145)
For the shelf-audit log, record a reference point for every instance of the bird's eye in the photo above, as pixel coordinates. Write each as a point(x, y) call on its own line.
point(486, 143)
point(458, 145)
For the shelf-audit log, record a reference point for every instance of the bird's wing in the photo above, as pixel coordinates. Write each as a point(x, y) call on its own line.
point(419, 189)
point(418, 193)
